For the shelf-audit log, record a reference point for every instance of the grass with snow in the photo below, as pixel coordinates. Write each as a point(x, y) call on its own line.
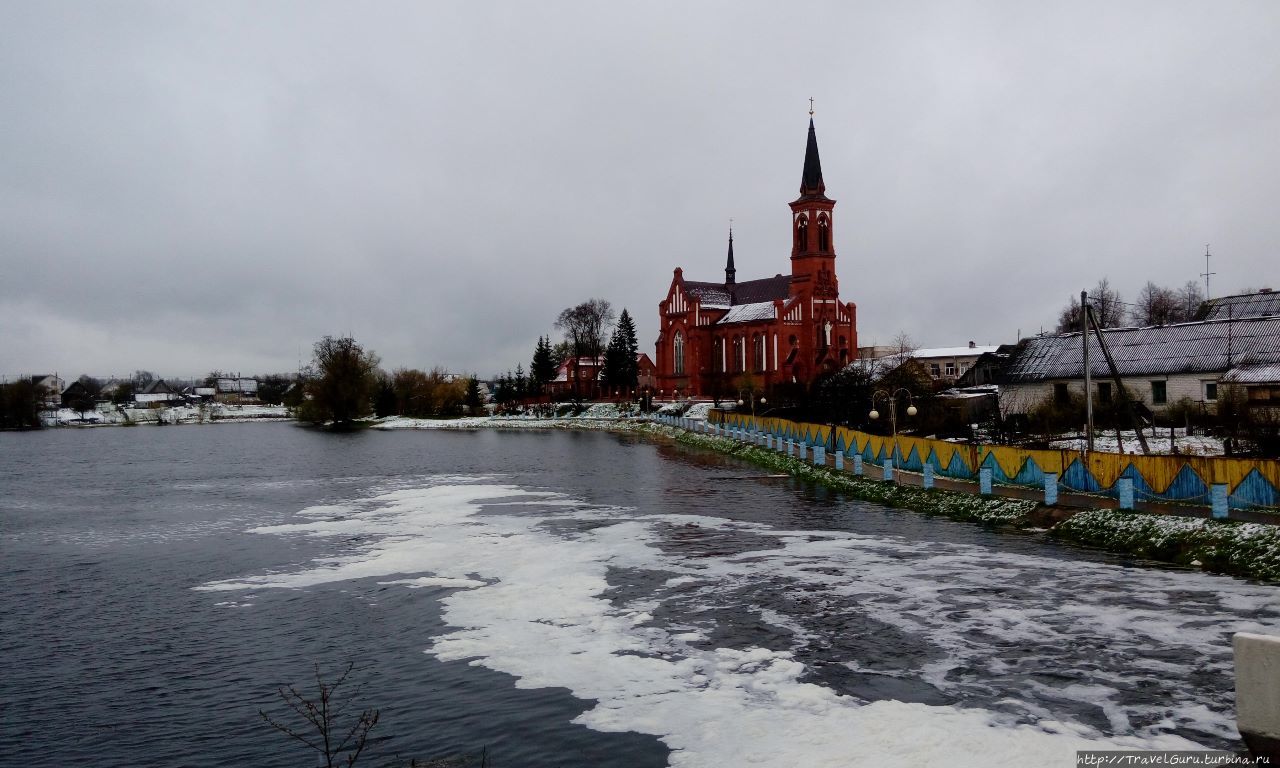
point(956, 505)
point(1243, 549)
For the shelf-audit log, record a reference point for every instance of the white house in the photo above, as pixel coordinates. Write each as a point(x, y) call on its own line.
point(1158, 365)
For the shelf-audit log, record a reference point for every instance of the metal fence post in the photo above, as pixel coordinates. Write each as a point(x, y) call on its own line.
point(1125, 486)
point(1218, 497)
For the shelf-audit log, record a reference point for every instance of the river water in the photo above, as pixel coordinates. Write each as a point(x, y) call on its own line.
point(565, 599)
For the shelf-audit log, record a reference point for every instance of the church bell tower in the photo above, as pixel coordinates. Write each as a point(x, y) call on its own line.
point(813, 253)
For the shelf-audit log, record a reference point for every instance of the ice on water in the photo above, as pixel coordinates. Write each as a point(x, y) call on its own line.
point(531, 598)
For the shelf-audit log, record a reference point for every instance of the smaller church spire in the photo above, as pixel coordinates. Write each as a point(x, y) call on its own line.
point(730, 274)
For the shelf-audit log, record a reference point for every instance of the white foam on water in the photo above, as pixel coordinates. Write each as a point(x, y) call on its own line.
point(434, 581)
point(536, 605)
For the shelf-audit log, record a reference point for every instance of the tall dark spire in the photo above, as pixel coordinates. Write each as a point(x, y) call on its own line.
point(811, 181)
point(730, 274)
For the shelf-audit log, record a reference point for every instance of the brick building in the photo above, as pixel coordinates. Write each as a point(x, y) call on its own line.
point(727, 337)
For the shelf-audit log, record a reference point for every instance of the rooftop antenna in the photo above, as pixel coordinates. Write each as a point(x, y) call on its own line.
point(1206, 273)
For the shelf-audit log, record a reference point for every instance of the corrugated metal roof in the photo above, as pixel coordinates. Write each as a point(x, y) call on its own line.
point(1242, 306)
point(1254, 374)
point(1204, 347)
point(746, 313)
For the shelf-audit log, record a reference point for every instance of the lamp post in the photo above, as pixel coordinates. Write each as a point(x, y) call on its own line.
point(751, 399)
point(892, 397)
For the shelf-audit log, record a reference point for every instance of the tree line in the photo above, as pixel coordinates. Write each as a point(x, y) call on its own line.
point(345, 384)
point(1154, 305)
point(586, 337)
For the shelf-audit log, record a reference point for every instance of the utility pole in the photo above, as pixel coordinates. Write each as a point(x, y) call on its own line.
point(1088, 378)
point(1206, 274)
point(1124, 395)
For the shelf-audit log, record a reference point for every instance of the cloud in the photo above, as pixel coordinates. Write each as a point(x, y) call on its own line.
point(186, 187)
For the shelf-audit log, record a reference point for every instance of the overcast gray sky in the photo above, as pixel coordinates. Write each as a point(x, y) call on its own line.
point(191, 186)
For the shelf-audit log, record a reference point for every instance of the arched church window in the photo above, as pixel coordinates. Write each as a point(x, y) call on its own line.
point(678, 345)
point(802, 233)
point(739, 354)
point(824, 233)
point(757, 352)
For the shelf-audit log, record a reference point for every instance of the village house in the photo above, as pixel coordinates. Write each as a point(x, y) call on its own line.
point(577, 377)
point(1158, 365)
point(718, 338)
point(236, 390)
point(52, 386)
point(155, 394)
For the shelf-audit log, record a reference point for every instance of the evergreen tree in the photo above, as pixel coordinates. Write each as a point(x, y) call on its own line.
point(630, 348)
point(620, 369)
point(521, 382)
point(543, 367)
point(473, 399)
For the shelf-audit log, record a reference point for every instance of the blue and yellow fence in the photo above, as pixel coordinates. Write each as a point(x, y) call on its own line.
point(1251, 483)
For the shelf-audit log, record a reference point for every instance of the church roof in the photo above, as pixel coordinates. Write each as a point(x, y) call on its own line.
point(764, 289)
point(711, 295)
point(725, 296)
point(746, 313)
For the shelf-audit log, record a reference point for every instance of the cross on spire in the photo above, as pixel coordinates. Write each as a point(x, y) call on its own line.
point(810, 106)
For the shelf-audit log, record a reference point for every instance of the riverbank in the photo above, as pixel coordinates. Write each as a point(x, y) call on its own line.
point(206, 413)
point(1249, 550)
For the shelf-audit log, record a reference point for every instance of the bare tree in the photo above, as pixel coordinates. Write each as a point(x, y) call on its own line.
point(1108, 307)
point(584, 329)
point(323, 730)
point(1069, 317)
point(1190, 297)
point(1155, 306)
point(903, 344)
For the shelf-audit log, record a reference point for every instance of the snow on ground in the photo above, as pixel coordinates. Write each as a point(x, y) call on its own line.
point(181, 414)
point(1194, 445)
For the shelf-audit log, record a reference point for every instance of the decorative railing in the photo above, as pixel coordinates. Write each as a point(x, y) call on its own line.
point(1249, 483)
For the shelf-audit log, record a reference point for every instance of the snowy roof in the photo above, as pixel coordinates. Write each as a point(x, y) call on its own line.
point(745, 313)
point(965, 351)
point(155, 387)
point(961, 393)
point(245, 386)
point(724, 296)
point(1254, 374)
point(1260, 304)
point(1202, 347)
point(877, 368)
point(710, 295)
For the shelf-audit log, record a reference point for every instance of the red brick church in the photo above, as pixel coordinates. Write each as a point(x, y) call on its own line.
point(729, 337)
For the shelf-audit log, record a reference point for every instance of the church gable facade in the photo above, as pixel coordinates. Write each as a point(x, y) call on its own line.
point(720, 339)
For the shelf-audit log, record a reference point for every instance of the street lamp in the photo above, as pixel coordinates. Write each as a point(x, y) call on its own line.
point(892, 397)
point(751, 398)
